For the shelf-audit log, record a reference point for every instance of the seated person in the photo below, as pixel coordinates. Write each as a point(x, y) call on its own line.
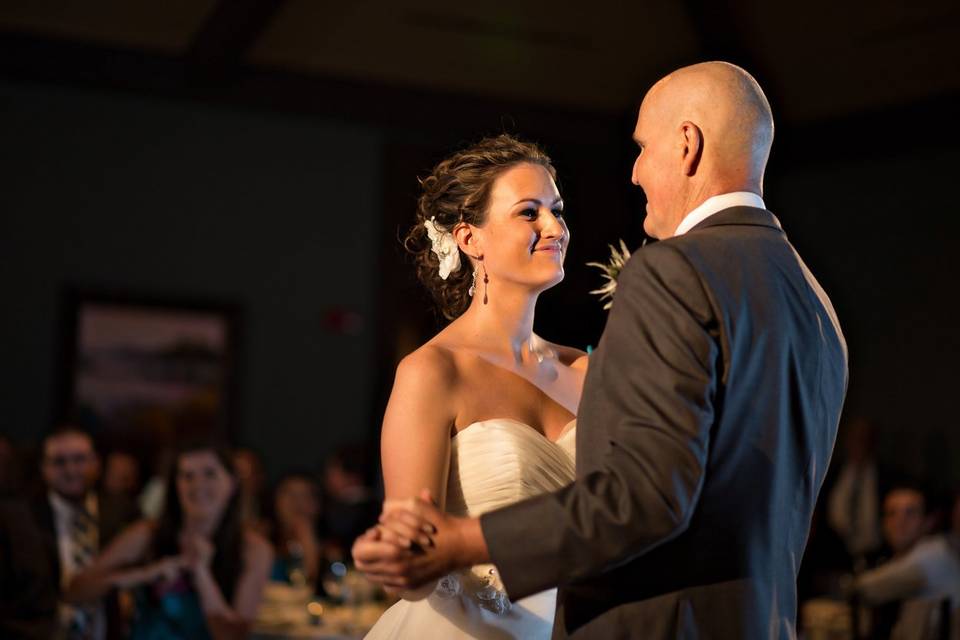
point(197, 572)
point(350, 506)
point(121, 474)
point(252, 487)
point(923, 572)
point(296, 508)
point(75, 522)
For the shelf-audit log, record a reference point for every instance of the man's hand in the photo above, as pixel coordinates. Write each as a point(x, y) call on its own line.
point(415, 543)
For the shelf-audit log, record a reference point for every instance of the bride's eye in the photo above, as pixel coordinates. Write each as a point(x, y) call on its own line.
point(529, 213)
point(557, 213)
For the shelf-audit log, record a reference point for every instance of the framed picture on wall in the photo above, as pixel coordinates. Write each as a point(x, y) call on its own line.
point(142, 372)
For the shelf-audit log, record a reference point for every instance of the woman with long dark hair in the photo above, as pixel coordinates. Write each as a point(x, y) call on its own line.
point(197, 572)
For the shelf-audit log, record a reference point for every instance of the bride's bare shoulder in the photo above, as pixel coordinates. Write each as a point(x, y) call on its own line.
point(570, 356)
point(433, 363)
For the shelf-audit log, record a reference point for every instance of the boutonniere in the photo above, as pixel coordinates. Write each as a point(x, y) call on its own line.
point(610, 272)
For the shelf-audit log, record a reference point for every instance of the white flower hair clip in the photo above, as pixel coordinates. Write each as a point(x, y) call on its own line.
point(444, 246)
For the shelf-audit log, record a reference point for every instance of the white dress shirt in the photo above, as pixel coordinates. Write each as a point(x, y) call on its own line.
point(712, 205)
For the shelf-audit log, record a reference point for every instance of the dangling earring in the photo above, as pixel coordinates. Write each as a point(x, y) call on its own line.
point(485, 281)
point(473, 284)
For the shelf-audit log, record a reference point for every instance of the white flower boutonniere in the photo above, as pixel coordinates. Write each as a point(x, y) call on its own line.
point(611, 271)
point(444, 246)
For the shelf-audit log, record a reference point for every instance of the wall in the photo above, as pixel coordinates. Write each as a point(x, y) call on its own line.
point(273, 213)
point(881, 234)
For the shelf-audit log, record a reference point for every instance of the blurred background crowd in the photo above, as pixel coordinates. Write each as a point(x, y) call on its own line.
point(96, 543)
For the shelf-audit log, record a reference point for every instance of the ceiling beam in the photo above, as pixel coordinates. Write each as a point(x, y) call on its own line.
point(444, 116)
point(219, 49)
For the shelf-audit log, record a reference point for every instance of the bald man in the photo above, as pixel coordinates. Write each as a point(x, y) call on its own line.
point(708, 416)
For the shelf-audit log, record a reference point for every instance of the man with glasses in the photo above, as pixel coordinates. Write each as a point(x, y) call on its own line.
point(76, 521)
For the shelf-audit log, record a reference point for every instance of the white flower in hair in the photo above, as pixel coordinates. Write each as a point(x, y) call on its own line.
point(444, 246)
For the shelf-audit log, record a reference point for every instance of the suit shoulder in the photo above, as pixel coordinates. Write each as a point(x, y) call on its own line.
point(664, 258)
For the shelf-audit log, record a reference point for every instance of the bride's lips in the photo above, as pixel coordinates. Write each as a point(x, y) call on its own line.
point(548, 248)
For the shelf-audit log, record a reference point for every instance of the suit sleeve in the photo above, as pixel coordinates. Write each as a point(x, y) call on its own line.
point(651, 383)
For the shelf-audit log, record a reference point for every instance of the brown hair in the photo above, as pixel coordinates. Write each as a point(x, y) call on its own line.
point(458, 190)
point(227, 564)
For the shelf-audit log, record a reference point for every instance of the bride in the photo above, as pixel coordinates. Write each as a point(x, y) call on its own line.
point(482, 415)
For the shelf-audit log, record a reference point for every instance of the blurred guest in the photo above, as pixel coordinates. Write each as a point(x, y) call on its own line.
point(121, 474)
point(853, 502)
point(154, 490)
point(296, 507)
point(905, 518)
point(923, 575)
point(76, 522)
point(28, 584)
point(349, 504)
point(197, 572)
point(252, 486)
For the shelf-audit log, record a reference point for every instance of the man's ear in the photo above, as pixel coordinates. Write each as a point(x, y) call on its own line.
point(467, 240)
point(692, 147)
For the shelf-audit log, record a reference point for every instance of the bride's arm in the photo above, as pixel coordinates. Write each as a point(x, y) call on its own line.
point(415, 440)
point(581, 364)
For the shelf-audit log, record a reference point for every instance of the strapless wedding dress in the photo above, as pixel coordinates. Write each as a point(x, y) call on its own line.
point(493, 463)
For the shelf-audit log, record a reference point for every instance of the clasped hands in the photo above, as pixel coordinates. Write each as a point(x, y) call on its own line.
point(413, 544)
point(196, 552)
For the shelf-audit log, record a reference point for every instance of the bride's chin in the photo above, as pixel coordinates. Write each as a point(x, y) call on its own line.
point(554, 281)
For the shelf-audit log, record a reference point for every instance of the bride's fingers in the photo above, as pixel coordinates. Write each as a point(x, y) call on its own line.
point(391, 536)
point(373, 533)
point(370, 552)
point(427, 496)
point(407, 526)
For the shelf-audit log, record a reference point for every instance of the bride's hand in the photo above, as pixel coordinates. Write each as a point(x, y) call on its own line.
point(402, 520)
point(454, 543)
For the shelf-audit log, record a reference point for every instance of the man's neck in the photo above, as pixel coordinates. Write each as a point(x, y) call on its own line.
point(714, 204)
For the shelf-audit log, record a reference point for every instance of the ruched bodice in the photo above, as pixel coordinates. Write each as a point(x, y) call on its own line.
point(493, 463)
point(501, 461)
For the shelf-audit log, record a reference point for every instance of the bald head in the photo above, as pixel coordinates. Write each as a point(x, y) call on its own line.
point(729, 107)
point(708, 128)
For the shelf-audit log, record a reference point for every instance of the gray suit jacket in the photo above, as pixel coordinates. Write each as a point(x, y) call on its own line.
point(707, 423)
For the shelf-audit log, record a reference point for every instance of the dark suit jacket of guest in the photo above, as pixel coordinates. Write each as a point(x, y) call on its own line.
point(707, 422)
point(113, 514)
point(28, 586)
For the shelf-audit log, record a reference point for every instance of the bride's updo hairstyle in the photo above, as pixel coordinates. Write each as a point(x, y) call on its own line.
point(458, 190)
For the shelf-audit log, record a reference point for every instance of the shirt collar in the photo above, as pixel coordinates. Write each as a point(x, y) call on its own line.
point(718, 203)
point(64, 508)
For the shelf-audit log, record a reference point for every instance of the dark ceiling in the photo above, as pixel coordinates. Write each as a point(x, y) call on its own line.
point(819, 59)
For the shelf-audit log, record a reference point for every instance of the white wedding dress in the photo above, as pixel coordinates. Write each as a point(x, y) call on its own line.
point(493, 463)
